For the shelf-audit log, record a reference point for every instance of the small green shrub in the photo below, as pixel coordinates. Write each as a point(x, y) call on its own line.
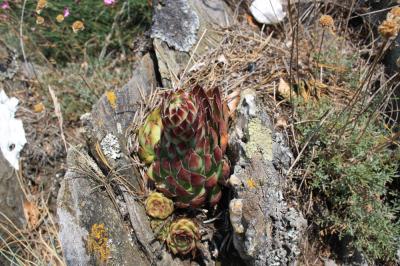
point(339, 67)
point(351, 175)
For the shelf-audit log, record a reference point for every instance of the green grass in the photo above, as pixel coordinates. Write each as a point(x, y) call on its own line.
point(338, 62)
point(78, 90)
point(106, 28)
point(103, 47)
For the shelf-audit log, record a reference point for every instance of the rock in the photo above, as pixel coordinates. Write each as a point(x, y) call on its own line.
point(84, 206)
point(175, 23)
point(112, 116)
point(8, 62)
point(192, 33)
point(11, 201)
point(267, 230)
point(330, 263)
point(92, 231)
point(11, 196)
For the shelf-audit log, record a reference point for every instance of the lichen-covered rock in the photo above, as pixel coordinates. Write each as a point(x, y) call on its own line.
point(189, 31)
point(175, 23)
point(92, 231)
point(266, 230)
point(107, 125)
point(92, 226)
point(8, 62)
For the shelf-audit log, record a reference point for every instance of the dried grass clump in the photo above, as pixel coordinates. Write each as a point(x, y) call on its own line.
point(248, 60)
point(38, 243)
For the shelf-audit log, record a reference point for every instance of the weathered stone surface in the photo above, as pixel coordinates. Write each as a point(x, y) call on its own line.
point(112, 116)
point(8, 62)
point(82, 205)
point(105, 129)
point(204, 18)
point(115, 115)
point(266, 230)
point(175, 23)
point(170, 63)
point(11, 201)
point(11, 195)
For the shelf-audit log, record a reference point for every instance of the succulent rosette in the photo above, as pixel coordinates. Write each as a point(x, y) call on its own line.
point(189, 159)
point(149, 136)
point(183, 236)
point(158, 206)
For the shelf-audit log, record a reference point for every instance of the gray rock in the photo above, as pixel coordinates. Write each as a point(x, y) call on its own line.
point(266, 230)
point(82, 201)
point(85, 211)
point(330, 263)
point(175, 23)
point(8, 62)
point(11, 195)
point(11, 202)
point(111, 118)
point(189, 32)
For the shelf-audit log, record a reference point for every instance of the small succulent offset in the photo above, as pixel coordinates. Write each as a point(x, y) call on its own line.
point(183, 237)
point(158, 206)
point(188, 159)
point(149, 136)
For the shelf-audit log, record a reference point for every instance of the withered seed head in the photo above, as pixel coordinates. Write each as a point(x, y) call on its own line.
point(326, 21)
point(388, 29)
point(395, 11)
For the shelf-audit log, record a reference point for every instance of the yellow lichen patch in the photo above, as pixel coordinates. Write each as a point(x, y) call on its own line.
point(112, 98)
point(97, 242)
point(251, 183)
point(260, 140)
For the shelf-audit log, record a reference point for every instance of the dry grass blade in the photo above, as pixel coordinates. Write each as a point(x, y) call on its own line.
point(57, 110)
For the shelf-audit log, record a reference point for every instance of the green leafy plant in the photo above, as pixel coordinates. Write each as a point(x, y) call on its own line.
point(351, 174)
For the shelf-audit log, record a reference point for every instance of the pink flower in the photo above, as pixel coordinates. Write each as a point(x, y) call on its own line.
point(109, 2)
point(66, 12)
point(5, 5)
